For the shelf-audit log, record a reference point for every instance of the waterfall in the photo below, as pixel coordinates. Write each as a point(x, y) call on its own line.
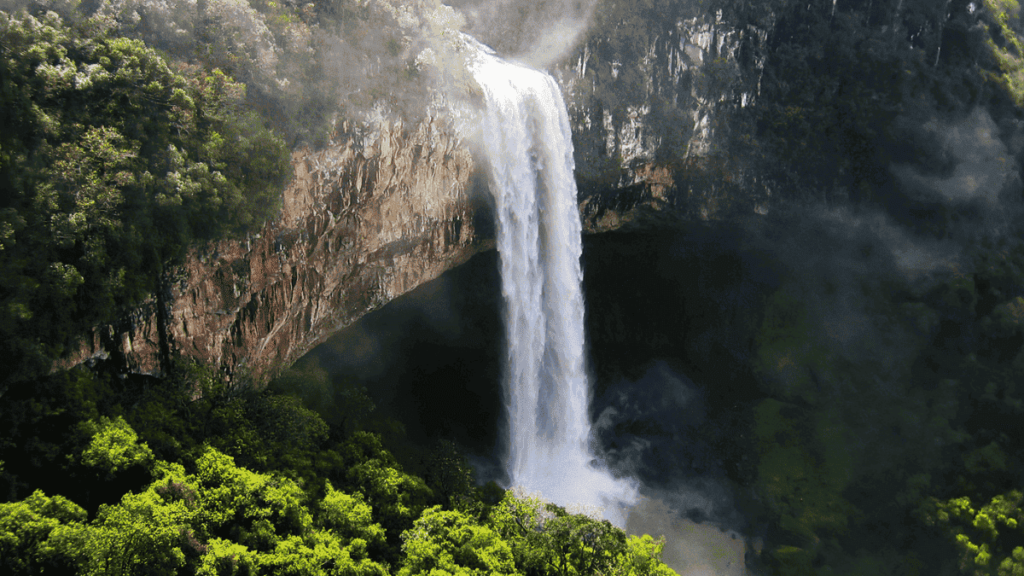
point(527, 140)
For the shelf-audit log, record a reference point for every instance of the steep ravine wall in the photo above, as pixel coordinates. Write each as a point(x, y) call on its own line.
point(654, 98)
point(361, 223)
point(371, 218)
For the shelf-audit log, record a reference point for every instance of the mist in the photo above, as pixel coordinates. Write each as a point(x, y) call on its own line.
point(821, 308)
point(538, 34)
point(319, 71)
point(962, 178)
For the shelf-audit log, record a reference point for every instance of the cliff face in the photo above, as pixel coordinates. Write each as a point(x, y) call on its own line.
point(361, 223)
point(656, 98)
point(650, 96)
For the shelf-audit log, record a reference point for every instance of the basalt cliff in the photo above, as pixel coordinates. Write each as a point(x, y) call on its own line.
point(361, 222)
point(371, 217)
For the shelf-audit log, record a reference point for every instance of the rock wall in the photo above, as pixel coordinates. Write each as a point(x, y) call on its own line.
point(657, 100)
point(650, 96)
point(361, 223)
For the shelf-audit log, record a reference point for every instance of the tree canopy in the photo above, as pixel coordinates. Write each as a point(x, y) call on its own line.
point(205, 514)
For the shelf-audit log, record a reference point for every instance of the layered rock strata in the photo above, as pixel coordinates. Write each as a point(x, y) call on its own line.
point(361, 223)
point(369, 219)
point(654, 102)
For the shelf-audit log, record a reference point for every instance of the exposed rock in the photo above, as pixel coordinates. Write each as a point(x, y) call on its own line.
point(371, 218)
point(361, 223)
point(651, 102)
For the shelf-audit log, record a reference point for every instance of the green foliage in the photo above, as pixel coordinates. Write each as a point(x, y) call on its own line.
point(643, 557)
point(804, 485)
point(875, 440)
point(987, 537)
point(114, 446)
point(271, 524)
point(206, 514)
point(39, 434)
point(448, 473)
point(545, 539)
point(250, 506)
point(343, 405)
point(349, 517)
point(106, 146)
point(581, 544)
point(226, 558)
point(140, 535)
point(788, 350)
point(320, 554)
point(261, 429)
point(76, 424)
point(839, 80)
point(1008, 55)
point(448, 542)
point(519, 520)
point(25, 525)
point(221, 520)
point(366, 467)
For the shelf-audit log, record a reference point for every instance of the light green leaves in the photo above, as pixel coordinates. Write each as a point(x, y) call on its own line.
point(983, 535)
point(27, 524)
point(260, 504)
point(224, 519)
point(545, 539)
point(397, 497)
point(226, 558)
point(143, 530)
point(349, 517)
point(449, 542)
point(1008, 55)
point(114, 446)
point(643, 557)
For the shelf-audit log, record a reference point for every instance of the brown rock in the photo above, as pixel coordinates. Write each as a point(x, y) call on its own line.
point(358, 227)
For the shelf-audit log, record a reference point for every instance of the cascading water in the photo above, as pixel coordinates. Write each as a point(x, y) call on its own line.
point(528, 142)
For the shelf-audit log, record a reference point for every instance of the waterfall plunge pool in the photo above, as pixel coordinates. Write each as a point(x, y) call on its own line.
point(668, 321)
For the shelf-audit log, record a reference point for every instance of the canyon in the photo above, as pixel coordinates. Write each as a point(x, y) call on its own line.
point(383, 209)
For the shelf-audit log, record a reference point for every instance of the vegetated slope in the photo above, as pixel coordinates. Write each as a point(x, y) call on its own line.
point(135, 129)
point(114, 160)
point(239, 481)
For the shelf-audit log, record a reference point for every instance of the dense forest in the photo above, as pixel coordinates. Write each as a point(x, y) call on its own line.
point(873, 424)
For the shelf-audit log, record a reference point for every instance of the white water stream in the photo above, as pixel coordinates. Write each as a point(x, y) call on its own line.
point(528, 142)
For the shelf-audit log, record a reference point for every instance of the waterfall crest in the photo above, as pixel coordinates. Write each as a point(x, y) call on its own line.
point(528, 142)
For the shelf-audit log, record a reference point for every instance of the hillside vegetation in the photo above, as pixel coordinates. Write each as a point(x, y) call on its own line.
point(878, 430)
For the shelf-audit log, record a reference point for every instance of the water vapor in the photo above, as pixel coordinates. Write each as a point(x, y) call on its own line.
point(964, 175)
point(654, 429)
point(539, 34)
point(658, 430)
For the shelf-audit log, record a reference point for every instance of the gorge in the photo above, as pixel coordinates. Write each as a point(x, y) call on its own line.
point(802, 257)
point(390, 205)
